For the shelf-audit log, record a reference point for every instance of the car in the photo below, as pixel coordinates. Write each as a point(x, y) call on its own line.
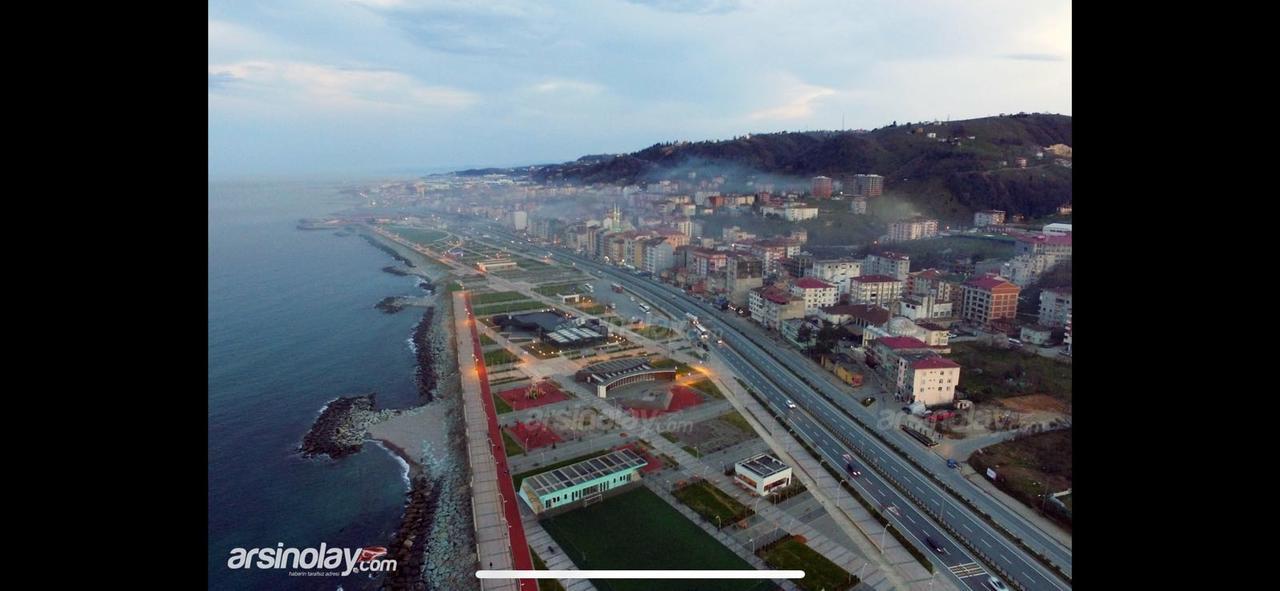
point(791, 404)
point(997, 584)
point(906, 409)
point(893, 509)
point(935, 544)
point(868, 401)
point(952, 463)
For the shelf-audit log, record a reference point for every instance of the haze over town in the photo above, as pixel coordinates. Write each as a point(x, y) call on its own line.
point(405, 86)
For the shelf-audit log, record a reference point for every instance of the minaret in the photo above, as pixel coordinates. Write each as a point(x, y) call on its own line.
point(617, 218)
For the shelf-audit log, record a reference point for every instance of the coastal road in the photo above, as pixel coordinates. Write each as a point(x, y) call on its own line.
point(834, 434)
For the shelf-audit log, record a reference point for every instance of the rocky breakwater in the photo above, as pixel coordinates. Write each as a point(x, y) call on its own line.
point(409, 546)
point(429, 351)
point(390, 304)
point(340, 429)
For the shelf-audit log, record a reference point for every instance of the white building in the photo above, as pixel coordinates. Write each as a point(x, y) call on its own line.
point(519, 220)
point(892, 264)
point(928, 378)
point(880, 290)
point(990, 217)
point(923, 307)
point(816, 293)
point(791, 212)
point(1057, 229)
point(1055, 306)
point(914, 229)
point(762, 474)
point(858, 206)
point(837, 272)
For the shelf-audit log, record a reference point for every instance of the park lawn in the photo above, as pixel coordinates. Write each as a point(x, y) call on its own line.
point(495, 297)
point(513, 448)
point(638, 530)
point(656, 332)
point(499, 357)
point(990, 372)
point(500, 405)
point(737, 420)
point(712, 503)
point(1028, 466)
point(819, 572)
point(708, 388)
point(508, 307)
point(418, 235)
point(682, 369)
point(486, 340)
point(560, 289)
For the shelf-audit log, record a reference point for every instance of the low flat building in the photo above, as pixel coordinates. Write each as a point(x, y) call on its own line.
point(581, 484)
point(762, 473)
point(497, 265)
point(1036, 335)
point(621, 372)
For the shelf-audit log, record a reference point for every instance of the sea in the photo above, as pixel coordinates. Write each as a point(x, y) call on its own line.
point(291, 327)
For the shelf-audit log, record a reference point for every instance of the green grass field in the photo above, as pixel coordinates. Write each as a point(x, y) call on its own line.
point(513, 448)
point(707, 387)
point(486, 340)
point(500, 405)
point(418, 235)
point(499, 357)
point(712, 503)
point(638, 530)
point(508, 307)
point(560, 288)
point(656, 332)
point(988, 373)
point(737, 420)
point(820, 574)
point(495, 297)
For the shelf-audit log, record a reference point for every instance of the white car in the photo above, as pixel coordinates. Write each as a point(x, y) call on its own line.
point(997, 584)
point(893, 509)
point(791, 404)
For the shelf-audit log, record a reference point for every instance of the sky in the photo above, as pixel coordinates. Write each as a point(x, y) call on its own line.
point(381, 86)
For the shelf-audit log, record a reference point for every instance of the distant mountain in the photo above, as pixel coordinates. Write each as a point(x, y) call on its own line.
point(949, 175)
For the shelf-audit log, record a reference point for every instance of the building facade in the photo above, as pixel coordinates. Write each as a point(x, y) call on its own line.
point(815, 293)
point(913, 229)
point(988, 299)
point(990, 217)
point(762, 473)
point(879, 290)
point(1055, 306)
point(892, 264)
point(837, 272)
point(581, 484)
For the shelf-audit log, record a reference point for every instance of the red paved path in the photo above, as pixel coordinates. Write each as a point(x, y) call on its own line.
point(519, 545)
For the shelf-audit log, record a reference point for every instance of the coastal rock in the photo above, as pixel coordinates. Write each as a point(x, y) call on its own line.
point(340, 429)
point(390, 305)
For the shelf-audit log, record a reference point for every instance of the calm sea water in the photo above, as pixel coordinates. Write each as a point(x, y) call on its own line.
point(291, 326)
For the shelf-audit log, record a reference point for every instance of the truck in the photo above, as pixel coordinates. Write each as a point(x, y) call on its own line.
point(691, 317)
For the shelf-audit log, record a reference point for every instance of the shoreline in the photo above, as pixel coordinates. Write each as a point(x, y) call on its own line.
point(435, 530)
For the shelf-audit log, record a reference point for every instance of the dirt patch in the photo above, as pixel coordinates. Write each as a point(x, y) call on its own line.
point(1035, 403)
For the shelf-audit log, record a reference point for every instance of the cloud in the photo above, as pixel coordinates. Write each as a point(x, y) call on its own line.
point(798, 105)
point(1035, 57)
point(692, 6)
point(317, 86)
point(567, 86)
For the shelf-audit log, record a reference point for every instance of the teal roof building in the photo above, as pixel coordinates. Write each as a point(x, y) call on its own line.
point(581, 484)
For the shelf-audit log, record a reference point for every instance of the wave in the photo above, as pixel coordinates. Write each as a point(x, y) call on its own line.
point(404, 465)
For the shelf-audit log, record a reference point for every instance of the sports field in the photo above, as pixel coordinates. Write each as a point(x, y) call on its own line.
point(638, 530)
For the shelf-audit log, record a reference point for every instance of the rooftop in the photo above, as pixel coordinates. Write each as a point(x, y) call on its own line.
point(989, 282)
point(561, 478)
point(616, 367)
point(897, 343)
point(936, 362)
point(763, 465)
point(874, 279)
point(812, 283)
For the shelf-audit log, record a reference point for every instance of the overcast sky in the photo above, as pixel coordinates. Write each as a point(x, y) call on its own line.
point(373, 86)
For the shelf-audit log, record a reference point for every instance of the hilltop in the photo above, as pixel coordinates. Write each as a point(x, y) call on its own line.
point(948, 176)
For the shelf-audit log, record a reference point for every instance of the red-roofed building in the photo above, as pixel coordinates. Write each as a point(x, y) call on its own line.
point(929, 378)
point(770, 306)
point(816, 293)
point(988, 299)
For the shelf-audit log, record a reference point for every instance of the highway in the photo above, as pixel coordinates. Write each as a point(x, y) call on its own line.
point(834, 434)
